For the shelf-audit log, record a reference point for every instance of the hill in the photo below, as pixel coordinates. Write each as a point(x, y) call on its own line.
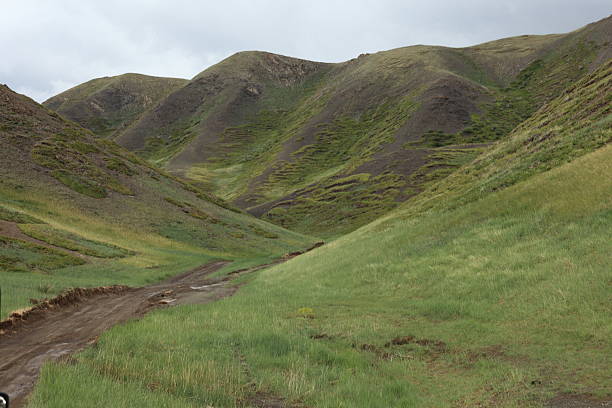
point(324, 148)
point(491, 288)
point(109, 105)
point(76, 210)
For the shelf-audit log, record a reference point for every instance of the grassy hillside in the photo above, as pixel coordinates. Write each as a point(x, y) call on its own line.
point(326, 148)
point(496, 294)
point(76, 210)
point(109, 105)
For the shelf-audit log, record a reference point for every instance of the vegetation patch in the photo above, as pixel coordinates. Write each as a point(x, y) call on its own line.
point(341, 145)
point(337, 206)
point(483, 304)
point(192, 211)
point(7, 214)
point(74, 163)
point(540, 82)
point(20, 256)
point(118, 165)
point(568, 127)
point(74, 242)
point(79, 184)
point(441, 163)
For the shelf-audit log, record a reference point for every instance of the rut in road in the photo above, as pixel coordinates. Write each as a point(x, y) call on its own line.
point(68, 329)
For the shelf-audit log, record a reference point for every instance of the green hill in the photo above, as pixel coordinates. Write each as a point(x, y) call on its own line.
point(109, 105)
point(325, 148)
point(76, 210)
point(491, 288)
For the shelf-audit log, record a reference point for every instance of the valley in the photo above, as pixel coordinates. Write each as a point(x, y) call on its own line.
point(420, 227)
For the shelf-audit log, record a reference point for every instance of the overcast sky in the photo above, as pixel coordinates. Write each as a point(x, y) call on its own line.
point(48, 46)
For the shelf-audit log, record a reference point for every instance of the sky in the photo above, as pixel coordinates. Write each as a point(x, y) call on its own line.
point(48, 46)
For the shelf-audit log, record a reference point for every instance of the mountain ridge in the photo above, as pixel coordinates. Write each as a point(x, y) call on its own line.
point(107, 105)
point(277, 135)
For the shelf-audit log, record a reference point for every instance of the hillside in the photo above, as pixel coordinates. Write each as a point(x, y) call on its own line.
point(489, 289)
point(76, 210)
point(324, 148)
point(109, 105)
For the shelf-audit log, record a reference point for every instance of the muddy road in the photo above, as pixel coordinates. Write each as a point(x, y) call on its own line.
point(70, 326)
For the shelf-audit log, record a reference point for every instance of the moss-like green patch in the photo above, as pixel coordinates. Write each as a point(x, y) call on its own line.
point(567, 127)
point(73, 242)
point(538, 83)
point(79, 184)
point(20, 256)
point(7, 214)
point(337, 206)
point(76, 164)
point(118, 165)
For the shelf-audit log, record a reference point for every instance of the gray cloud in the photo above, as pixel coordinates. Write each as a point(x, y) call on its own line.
point(49, 46)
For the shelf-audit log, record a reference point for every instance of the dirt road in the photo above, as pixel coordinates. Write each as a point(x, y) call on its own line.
point(67, 329)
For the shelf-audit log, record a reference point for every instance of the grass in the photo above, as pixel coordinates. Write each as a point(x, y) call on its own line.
point(76, 164)
point(21, 256)
point(489, 288)
point(8, 214)
point(107, 105)
point(336, 206)
point(513, 285)
point(258, 129)
point(126, 255)
point(73, 242)
point(108, 208)
point(566, 128)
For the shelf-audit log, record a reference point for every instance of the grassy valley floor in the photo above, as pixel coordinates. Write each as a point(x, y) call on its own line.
point(501, 302)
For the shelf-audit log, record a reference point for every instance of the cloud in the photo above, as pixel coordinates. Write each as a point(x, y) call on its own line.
point(49, 46)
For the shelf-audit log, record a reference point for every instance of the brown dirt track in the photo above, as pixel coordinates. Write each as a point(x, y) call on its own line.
point(72, 321)
point(51, 332)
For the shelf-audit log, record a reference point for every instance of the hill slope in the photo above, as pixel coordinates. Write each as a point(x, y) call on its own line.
point(325, 148)
point(79, 210)
point(108, 105)
point(496, 295)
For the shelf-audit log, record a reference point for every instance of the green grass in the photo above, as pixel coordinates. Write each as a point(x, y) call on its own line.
point(21, 256)
point(109, 209)
point(76, 163)
point(173, 244)
point(497, 275)
point(514, 285)
point(337, 206)
point(107, 105)
point(8, 214)
point(576, 123)
point(72, 241)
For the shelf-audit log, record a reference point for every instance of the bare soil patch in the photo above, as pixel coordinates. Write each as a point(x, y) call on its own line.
point(578, 401)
